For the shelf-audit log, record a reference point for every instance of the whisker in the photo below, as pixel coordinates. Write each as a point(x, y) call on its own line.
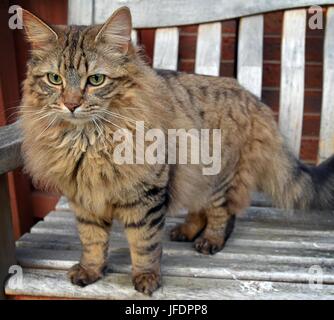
point(50, 124)
point(102, 118)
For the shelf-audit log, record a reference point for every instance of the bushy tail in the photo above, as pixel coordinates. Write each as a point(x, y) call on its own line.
point(290, 183)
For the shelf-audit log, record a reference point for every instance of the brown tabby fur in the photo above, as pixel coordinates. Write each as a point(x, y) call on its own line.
point(74, 157)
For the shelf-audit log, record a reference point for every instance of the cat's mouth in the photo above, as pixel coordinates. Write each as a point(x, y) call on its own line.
point(76, 117)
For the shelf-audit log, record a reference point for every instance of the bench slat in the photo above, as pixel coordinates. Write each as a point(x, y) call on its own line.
point(80, 12)
point(119, 286)
point(250, 52)
point(240, 238)
point(326, 145)
point(292, 78)
point(208, 49)
point(134, 37)
point(166, 46)
point(170, 13)
point(260, 265)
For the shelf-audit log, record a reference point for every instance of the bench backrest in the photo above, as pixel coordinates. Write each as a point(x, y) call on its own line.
point(167, 15)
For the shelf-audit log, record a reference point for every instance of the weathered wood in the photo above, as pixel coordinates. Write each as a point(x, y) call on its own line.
point(166, 47)
point(134, 37)
point(326, 143)
point(239, 238)
point(170, 13)
point(10, 148)
point(208, 49)
point(243, 264)
point(119, 286)
point(80, 12)
point(292, 78)
point(250, 52)
point(7, 246)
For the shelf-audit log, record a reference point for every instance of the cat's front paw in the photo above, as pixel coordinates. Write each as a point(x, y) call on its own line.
point(147, 283)
point(83, 277)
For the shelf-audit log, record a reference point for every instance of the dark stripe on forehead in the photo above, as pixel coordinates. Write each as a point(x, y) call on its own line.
point(73, 42)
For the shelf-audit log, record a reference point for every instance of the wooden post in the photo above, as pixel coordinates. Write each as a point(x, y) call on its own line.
point(7, 246)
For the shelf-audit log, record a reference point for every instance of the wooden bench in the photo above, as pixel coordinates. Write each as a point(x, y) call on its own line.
point(272, 254)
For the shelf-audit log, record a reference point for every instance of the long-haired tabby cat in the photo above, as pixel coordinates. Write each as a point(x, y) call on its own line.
point(83, 83)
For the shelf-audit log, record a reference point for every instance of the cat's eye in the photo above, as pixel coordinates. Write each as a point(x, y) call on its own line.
point(96, 79)
point(55, 78)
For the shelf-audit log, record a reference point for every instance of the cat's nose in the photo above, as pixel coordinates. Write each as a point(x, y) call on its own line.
point(71, 106)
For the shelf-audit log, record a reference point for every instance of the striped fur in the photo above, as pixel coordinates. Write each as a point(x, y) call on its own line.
point(74, 157)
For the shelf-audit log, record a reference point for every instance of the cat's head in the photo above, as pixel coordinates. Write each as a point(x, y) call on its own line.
point(74, 72)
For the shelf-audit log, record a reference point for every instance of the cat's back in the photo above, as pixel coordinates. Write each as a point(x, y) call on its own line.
point(210, 98)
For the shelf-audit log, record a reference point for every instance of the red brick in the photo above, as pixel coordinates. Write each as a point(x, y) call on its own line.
point(147, 41)
point(314, 49)
point(313, 76)
point(271, 98)
point(311, 125)
point(229, 26)
point(312, 101)
point(309, 149)
point(273, 23)
point(187, 47)
point(272, 48)
point(187, 66)
point(271, 74)
point(227, 69)
point(189, 29)
point(228, 48)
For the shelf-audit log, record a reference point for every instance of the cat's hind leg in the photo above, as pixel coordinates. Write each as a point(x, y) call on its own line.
point(194, 223)
point(219, 227)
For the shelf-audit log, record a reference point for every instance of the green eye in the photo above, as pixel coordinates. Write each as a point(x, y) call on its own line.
point(55, 78)
point(96, 79)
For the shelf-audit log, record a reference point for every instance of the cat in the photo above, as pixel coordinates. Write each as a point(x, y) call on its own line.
point(83, 83)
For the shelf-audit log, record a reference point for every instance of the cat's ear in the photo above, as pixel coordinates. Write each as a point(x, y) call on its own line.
point(117, 30)
point(38, 33)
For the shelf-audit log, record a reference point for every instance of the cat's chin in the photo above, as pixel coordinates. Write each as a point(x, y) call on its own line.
point(76, 120)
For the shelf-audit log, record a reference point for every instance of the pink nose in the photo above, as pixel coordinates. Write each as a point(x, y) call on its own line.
point(71, 106)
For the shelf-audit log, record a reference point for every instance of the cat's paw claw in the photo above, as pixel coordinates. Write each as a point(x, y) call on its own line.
point(83, 277)
point(147, 283)
point(207, 246)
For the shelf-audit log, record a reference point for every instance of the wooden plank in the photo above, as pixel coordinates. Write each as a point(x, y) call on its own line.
point(283, 228)
point(292, 78)
point(170, 13)
point(166, 47)
point(326, 144)
point(261, 216)
point(118, 286)
point(238, 238)
point(7, 247)
point(80, 12)
point(250, 52)
point(208, 49)
point(258, 200)
point(10, 148)
point(244, 265)
point(134, 37)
